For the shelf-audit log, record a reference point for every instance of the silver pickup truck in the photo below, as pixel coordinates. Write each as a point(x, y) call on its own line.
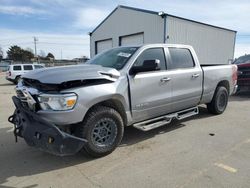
point(62, 110)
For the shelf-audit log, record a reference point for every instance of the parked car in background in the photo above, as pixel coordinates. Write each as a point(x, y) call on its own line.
point(17, 70)
point(243, 64)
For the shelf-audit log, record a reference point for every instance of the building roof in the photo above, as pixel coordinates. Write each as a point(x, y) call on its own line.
point(156, 13)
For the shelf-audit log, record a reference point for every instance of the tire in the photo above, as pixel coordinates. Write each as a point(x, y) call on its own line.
point(219, 101)
point(238, 91)
point(103, 129)
point(17, 79)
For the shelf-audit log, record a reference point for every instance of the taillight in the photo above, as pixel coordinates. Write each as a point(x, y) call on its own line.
point(9, 73)
point(234, 74)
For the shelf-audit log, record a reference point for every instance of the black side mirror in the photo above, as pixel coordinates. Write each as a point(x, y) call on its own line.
point(148, 65)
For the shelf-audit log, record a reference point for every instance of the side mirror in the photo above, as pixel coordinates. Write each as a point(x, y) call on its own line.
point(148, 65)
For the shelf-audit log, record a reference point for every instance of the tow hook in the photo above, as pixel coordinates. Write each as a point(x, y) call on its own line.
point(13, 119)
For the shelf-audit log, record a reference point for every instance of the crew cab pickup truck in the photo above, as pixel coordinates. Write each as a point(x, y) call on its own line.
point(66, 109)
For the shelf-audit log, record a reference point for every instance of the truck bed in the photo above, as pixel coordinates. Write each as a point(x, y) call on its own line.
point(211, 75)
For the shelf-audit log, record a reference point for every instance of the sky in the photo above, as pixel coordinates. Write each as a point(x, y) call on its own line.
point(62, 26)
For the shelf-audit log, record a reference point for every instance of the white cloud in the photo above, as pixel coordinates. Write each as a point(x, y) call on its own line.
point(241, 49)
point(89, 17)
point(20, 10)
point(70, 45)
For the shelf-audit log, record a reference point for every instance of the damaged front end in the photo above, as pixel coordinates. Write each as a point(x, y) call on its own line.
point(42, 134)
point(40, 120)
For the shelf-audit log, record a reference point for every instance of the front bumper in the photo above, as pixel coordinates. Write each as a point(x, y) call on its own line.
point(235, 89)
point(42, 134)
point(10, 79)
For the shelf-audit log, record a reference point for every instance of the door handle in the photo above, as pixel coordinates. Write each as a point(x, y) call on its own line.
point(195, 75)
point(165, 79)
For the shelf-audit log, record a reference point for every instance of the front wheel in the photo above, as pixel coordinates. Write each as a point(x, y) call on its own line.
point(219, 101)
point(103, 129)
point(17, 79)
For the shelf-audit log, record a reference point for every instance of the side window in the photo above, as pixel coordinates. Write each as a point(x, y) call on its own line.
point(38, 66)
point(180, 58)
point(17, 68)
point(152, 54)
point(27, 67)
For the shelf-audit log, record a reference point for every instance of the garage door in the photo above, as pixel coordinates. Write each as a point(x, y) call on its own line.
point(103, 45)
point(135, 39)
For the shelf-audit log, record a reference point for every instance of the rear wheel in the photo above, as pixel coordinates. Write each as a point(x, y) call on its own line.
point(219, 101)
point(103, 128)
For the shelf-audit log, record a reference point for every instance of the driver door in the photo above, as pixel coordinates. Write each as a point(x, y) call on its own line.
point(151, 91)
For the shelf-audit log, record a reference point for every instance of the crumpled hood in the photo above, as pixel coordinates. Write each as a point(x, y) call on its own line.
point(58, 75)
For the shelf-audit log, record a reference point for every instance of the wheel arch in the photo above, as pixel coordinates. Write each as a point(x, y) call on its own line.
point(224, 83)
point(114, 102)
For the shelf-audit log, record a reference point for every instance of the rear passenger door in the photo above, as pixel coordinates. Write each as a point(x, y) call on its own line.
point(187, 79)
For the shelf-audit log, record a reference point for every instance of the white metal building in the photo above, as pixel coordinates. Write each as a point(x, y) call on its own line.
point(133, 26)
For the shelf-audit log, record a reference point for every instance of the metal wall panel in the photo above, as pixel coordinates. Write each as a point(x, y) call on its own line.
point(103, 45)
point(125, 22)
point(135, 39)
point(212, 45)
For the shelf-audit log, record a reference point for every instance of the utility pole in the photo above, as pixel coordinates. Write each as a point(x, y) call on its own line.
point(35, 40)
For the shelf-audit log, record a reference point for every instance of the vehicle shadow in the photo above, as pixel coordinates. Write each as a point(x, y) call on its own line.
point(133, 135)
point(7, 84)
point(20, 160)
point(240, 96)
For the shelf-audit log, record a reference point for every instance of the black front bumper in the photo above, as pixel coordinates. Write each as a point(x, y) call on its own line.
point(42, 134)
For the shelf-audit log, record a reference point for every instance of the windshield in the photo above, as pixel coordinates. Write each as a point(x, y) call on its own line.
point(242, 59)
point(114, 58)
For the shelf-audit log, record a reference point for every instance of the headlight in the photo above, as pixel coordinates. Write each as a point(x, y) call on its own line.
point(57, 102)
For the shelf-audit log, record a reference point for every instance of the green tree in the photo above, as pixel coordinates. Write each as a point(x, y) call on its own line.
point(16, 53)
point(27, 55)
point(50, 56)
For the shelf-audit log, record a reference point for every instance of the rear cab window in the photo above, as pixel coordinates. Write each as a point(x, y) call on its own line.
point(17, 67)
point(27, 67)
point(180, 58)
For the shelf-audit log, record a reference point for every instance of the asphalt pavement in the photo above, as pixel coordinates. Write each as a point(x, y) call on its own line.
point(202, 151)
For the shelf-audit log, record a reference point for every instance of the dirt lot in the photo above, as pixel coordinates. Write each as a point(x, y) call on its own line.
point(203, 151)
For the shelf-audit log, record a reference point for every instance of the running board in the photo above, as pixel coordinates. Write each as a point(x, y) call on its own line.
point(166, 119)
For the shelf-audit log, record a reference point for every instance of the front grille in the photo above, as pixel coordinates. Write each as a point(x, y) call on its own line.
point(20, 94)
point(243, 82)
point(23, 99)
point(245, 72)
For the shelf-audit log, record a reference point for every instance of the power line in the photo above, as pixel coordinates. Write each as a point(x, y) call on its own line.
point(10, 44)
point(47, 37)
point(15, 38)
point(40, 42)
point(54, 43)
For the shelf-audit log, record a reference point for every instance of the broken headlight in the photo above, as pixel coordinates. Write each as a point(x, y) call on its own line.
point(57, 102)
